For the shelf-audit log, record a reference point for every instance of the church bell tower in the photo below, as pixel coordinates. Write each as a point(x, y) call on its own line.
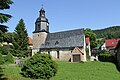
point(41, 30)
point(41, 24)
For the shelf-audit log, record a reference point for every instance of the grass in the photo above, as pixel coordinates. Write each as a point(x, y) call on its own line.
point(87, 71)
point(71, 71)
point(12, 72)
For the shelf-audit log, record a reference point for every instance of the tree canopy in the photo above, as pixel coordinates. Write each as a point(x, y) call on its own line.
point(20, 41)
point(89, 33)
point(4, 4)
point(108, 33)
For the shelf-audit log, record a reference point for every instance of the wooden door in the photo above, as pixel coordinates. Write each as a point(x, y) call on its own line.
point(76, 57)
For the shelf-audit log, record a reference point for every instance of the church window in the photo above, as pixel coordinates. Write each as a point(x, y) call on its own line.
point(56, 42)
point(38, 26)
point(58, 54)
point(47, 29)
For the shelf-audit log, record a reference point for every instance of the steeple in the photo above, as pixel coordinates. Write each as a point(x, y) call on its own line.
point(41, 24)
point(42, 12)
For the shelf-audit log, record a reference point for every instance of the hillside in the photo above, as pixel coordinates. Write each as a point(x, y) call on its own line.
point(108, 33)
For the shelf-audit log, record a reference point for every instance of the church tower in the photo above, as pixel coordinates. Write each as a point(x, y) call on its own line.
point(41, 30)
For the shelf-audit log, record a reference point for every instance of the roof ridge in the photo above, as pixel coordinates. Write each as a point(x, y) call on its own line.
point(68, 31)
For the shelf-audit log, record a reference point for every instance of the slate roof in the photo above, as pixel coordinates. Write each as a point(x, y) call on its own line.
point(71, 38)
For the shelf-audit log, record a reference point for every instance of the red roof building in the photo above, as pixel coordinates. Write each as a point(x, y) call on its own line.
point(30, 40)
point(30, 43)
point(111, 43)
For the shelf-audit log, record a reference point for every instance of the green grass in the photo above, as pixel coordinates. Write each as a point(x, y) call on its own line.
point(12, 72)
point(87, 71)
point(72, 71)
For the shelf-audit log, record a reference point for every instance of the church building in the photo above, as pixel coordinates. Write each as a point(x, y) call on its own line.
point(65, 45)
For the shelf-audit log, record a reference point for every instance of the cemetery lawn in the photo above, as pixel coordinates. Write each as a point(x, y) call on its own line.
point(70, 71)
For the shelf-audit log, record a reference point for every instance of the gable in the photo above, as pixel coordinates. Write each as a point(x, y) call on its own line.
point(77, 50)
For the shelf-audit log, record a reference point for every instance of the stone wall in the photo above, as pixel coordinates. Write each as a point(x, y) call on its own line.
point(38, 39)
point(64, 55)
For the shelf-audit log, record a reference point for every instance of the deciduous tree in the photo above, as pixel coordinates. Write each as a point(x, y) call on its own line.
point(92, 35)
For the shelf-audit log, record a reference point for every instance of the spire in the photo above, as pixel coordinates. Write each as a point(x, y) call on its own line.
point(42, 12)
point(41, 24)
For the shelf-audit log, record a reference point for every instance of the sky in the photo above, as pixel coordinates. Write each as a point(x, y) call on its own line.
point(65, 14)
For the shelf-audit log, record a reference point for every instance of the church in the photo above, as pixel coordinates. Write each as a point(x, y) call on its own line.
point(65, 45)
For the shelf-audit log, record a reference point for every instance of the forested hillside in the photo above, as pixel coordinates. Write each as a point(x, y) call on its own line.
point(108, 33)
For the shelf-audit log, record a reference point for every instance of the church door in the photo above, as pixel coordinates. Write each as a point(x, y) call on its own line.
point(76, 57)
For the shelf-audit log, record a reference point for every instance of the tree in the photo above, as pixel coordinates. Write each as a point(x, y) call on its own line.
point(108, 33)
point(92, 35)
point(20, 41)
point(39, 66)
point(4, 4)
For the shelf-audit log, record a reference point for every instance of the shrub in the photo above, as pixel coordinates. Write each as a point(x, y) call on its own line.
point(39, 66)
point(3, 50)
point(9, 58)
point(105, 56)
point(100, 52)
point(1, 59)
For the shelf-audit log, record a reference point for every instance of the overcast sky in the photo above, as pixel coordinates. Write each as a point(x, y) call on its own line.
point(66, 14)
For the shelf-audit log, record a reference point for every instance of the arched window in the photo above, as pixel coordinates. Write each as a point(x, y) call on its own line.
point(58, 54)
